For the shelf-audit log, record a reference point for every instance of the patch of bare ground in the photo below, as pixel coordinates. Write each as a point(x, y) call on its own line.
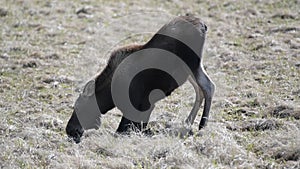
point(49, 49)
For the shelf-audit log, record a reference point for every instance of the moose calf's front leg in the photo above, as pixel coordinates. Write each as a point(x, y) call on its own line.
point(126, 125)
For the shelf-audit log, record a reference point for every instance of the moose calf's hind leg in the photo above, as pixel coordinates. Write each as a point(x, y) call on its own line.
point(208, 89)
point(199, 99)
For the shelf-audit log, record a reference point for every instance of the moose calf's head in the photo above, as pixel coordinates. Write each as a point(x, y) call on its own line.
point(86, 114)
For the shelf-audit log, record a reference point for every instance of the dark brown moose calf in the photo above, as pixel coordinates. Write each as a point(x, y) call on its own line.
point(184, 38)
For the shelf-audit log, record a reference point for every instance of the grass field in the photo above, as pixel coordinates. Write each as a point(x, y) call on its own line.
point(49, 49)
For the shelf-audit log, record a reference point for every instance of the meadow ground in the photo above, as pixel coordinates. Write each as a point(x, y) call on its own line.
point(48, 49)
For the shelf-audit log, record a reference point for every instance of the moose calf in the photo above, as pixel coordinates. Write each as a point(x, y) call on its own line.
point(183, 37)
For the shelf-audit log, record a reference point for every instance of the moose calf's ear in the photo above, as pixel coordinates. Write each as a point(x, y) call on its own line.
point(89, 88)
point(87, 109)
